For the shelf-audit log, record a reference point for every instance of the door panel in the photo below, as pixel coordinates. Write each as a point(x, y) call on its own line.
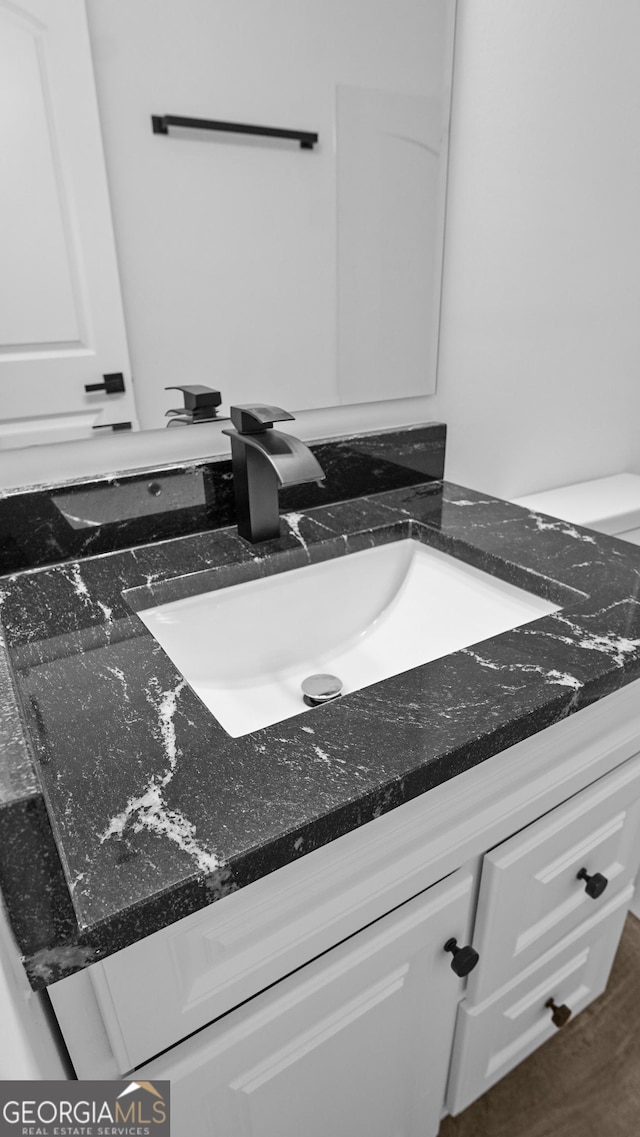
point(356, 1044)
point(61, 319)
point(32, 224)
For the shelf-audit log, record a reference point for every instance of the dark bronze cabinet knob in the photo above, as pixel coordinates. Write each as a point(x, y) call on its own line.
point(464, 958)
point(559, 1015)
point(595, 885)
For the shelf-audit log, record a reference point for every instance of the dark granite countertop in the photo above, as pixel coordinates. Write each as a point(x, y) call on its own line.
point(125, 806)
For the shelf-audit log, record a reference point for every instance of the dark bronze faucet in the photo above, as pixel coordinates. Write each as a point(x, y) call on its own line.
point(200, 404)
point(263, 459)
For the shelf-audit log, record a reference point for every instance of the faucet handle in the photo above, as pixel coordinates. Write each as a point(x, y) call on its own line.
point(200, 403)
point(250, 419)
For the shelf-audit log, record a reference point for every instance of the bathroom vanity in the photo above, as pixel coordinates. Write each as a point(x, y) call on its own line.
point(321, 998)
point(263, 918)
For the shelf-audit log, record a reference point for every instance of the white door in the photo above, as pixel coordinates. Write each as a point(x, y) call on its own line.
point(355, 1044)
point(61, 320)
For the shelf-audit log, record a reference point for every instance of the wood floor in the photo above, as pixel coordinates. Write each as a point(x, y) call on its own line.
point(585, 1081)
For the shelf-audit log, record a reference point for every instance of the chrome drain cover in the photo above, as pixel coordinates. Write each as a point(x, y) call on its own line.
point(317, 689)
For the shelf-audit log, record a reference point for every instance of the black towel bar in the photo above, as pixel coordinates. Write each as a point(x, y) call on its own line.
point(161, 124)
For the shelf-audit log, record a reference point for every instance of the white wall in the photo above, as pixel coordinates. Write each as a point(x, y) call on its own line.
point(540, 349)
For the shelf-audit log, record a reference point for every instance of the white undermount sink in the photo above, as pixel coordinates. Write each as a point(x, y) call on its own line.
point(363, 617)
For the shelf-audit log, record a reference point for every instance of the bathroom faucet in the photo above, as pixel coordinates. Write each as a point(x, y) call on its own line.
point(262, 459)
point(200, 404)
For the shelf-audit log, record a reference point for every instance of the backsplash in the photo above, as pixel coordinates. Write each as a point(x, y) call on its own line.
point(52, 523)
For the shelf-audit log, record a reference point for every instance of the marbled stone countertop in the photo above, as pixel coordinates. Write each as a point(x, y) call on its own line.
point(127, 806)
point(46, 524)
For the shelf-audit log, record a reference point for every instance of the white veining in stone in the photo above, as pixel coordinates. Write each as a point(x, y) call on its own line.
point(166, 708)
point(73, 574)
point(481, 659)
point(395, 508)
point(322, 754)
point(624, 603)
point(550, 675)
point(616, 647)
point(149, 577)
point(120, 675)
point(148, 810)
point(465, 501)
point(567, 530)
point(293, 521)
point(562, 678)
point(73, 884)
point(613, 645)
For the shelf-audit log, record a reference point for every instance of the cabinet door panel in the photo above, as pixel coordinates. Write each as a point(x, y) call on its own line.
point(530, 896)
point(61, 319)
point(493, 1037)
point(211, 961)
point(356, 1044)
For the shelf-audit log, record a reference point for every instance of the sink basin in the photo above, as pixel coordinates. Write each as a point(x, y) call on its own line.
point(363, 617)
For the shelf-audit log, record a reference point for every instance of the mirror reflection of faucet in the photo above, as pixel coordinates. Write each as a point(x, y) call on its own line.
point(200, 405)
point(264, 459)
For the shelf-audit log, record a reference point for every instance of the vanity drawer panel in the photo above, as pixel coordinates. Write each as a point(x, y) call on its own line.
point(493, 1037)
point(161, 989)
point(530, 896)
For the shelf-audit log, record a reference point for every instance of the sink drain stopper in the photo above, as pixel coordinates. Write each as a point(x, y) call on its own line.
point(317, 689)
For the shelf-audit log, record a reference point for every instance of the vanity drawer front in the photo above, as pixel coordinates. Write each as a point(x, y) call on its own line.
point(530, 894)
point(156, 992)
point(493, 1037)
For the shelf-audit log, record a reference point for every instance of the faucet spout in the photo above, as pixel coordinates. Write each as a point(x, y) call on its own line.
point(292, 461)
point(264, 459)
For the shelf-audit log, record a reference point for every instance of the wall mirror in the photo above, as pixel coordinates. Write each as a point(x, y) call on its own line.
point(135, 261)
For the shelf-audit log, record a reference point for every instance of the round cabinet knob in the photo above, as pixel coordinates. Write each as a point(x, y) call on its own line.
point(464, 958)
point(559, 1015)
point(595, 885)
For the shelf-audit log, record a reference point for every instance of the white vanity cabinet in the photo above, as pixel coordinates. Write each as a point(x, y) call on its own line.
point(355, 1043)
point(322, 999)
